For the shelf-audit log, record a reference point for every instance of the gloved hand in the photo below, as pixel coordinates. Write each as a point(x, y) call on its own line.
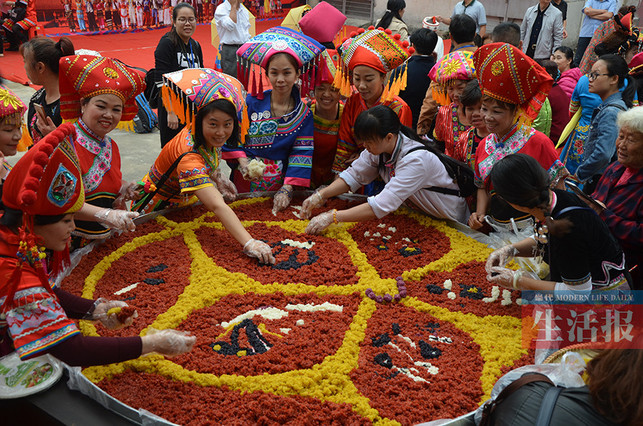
point(260, 250)
point(320, 222)
point(130, 191)
point(508, 278)
point(282, 199)
point(314, 201)
point(111, 321)
point(121, 220)
point(500, 257)
point(167, 342)
point(225, 187)
point(243, 167)
point(503, 277)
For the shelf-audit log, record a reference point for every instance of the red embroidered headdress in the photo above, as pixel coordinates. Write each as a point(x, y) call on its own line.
point(375, 48)
point(84, 76)
point(508, 75)
point(46, 181)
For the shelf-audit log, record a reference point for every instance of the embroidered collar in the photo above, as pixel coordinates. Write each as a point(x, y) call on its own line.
point(497, 149)
point(90, 138)
point(100, 148)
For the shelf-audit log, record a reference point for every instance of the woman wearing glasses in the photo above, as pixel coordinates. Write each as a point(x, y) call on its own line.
point(176, 50)
point(609, 75)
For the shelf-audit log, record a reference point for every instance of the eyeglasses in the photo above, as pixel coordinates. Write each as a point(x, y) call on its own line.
point(595, 75)
point(183, 20)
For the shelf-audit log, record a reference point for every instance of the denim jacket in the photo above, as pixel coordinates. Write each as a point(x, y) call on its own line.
point(600, 145)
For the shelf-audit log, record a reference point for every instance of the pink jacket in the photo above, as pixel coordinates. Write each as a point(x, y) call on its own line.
point(568, 80)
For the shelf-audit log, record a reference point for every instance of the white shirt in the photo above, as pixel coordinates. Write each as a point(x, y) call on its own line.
point(406, 176)
point(229, 31)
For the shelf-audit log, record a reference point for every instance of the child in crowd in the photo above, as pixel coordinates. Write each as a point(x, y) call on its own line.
point(467, 144)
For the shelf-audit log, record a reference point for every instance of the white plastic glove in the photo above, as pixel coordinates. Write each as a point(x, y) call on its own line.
point(282, 199)
point(503, 277)
point(320, 222)
point(243, 167)
point(508, 278)
point(111, 321)
point(130, 191)
point(260, 250)
point(225, 187)
point(500, 257)
point(314, 201)
point(121, 220)
point(168, 342)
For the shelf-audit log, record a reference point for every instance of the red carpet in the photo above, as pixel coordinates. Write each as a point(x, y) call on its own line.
point(133, 48)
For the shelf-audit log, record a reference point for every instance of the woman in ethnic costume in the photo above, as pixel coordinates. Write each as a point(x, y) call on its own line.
point(98, 93)
point(514, 88)
point(451, 73)
point(187, 169)
point(280, 133)
point(367, 57)
point(42, 194)
point(581, 252)
point(327, 114)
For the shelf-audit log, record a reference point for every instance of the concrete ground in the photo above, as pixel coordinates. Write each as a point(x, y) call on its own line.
point(138, 150)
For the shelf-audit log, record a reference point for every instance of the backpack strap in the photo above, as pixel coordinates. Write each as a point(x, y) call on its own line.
point(547, 406)
point(572, 208)
point(490, 406)
point(150, 196)
point(447, 191)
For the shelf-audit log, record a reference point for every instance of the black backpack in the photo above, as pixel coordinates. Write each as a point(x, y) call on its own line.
point(460, 172)
point(145, 120)
point(152, 90)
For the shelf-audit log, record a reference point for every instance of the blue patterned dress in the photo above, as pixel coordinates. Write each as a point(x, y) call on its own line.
point(284, 144)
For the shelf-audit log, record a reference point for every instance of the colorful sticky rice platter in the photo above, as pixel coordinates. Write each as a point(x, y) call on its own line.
point(387, 321)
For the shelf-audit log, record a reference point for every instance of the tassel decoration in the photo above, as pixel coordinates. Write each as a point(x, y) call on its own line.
point(260, 94)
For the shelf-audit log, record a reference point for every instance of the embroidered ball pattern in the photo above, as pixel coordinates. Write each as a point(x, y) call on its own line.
point(254, 334)
point(293, 264)
point(465, 289)
point(406, 352)
point(399, 243)
point(303, 342)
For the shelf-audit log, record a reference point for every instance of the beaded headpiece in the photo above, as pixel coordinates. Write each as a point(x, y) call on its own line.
point(186, 91)
point(375, 48)
point(259, 49)
point(450, 68)
point(11, 107)
point(84, 76)
point(509, 75)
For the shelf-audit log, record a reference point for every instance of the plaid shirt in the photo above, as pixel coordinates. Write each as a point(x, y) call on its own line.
point(624, 212)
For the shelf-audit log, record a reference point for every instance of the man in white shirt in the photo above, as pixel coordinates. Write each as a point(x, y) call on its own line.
point(233, 25)
point(474, 9)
